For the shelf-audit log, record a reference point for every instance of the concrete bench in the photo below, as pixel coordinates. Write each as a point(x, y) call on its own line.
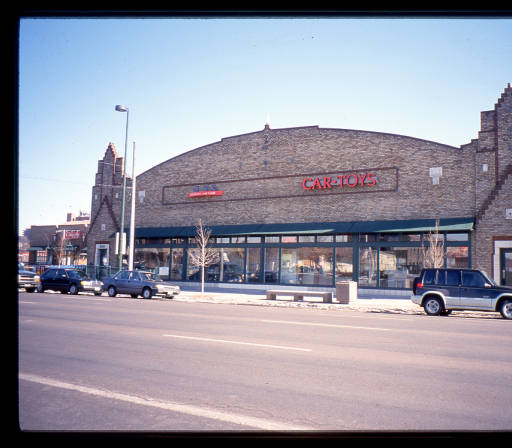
point(299, 295)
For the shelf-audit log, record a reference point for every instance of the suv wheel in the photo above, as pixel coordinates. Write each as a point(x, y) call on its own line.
point(433, 306)
point(73, 289)
point(506, 309)
point(112, 291)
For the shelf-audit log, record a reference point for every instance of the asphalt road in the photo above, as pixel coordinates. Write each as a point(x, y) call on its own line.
point(119, 364)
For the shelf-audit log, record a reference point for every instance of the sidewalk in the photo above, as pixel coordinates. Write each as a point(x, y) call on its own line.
point(368, 302)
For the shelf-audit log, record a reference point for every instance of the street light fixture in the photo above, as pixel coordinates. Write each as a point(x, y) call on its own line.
point(120, 108)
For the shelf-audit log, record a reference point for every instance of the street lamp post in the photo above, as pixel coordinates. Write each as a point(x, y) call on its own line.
point(120, 108)
point(132, 215)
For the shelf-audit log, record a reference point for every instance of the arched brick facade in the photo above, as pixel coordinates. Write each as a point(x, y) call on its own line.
point(307, 175)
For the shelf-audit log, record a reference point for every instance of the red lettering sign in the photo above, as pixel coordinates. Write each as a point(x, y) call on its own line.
point(197, 194)
point(351, 180)
point(72, 234)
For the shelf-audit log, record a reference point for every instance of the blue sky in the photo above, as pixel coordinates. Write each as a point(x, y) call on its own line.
point(189, 82)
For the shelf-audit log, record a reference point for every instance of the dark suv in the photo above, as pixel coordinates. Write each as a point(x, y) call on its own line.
point(68, 280)
point(439, 291)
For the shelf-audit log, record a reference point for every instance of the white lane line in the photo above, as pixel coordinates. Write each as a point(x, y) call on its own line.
point(244, 420)
point(313, 324)
point(195, 338)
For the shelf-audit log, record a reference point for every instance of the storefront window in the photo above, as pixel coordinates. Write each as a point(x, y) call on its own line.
point(227, 267)
point(306, 239)
point(307, 266)
point(368, 266)
point(193, 271)
point(153, 259)
point(325, 238)
point(368, 237)
point(398, 266)
point(344, 266)
point(394, 265)
point(343, 238)
point(253, 265)
point(230, 267)
point(457, 257)
point(271, 265)
point(456, 237)
point(41, 256)
point(400, 237)
point(176, 264)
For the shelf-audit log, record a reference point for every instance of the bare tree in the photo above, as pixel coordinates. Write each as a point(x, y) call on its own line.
point(204, 255)
point(60, 253)
point(433, 253)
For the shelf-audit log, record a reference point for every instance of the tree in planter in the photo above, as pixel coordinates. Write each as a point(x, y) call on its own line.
point(433, 252)
point(204, 255)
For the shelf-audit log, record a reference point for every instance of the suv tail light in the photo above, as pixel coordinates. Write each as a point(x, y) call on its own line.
point(419, 285)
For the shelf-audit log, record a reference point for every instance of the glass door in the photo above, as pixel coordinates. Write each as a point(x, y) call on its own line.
point(368, 266)
point(506, 267)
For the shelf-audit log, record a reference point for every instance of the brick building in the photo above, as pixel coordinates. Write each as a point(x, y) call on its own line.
point(58, 243)
point(310, 205)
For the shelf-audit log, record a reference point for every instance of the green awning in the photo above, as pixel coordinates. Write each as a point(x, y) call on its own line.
point(317, 228)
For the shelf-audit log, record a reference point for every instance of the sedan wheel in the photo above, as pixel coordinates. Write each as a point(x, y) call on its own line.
point(146, 293)
point(506, 309)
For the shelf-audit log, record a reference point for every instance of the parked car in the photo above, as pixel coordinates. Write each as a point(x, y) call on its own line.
point(139, 283)
point(27, 280)
point(439, 291)
point(68, 280)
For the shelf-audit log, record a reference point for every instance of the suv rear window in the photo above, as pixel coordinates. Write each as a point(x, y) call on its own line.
point(48, 274)
point(429, 276)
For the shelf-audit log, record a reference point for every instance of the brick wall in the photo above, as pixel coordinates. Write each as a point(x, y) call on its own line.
point(261, 175)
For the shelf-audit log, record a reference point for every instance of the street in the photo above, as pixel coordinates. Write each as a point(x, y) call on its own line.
point(91, 363)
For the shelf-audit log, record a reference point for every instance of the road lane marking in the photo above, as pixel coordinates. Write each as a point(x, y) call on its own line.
point(195, 338)
point(94, 299)
point(313, 324)
point(197, 411)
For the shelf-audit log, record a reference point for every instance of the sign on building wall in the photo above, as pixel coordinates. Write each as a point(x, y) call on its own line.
point(73, 234)
point(286, 186)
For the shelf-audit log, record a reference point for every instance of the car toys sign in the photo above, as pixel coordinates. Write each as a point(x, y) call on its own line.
point(350, 180)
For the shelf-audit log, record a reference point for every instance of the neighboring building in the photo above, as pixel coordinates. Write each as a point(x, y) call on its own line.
point(106, 209)
point(310, 206)
point(59, 243)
